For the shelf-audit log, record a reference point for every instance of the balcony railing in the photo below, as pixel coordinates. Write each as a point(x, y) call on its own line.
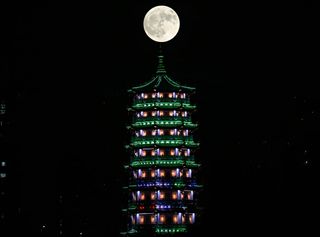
point(164, 143)
point(161, 137)
point(163, 123)
point(159, 158)
point(165, 163)
point(163, 105)
point(152, 100)
point(162, 118)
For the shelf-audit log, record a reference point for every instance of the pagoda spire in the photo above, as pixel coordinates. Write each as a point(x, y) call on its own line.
point(160, 68)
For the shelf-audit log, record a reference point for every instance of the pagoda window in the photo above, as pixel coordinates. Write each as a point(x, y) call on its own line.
point(143, 174)
point(178, 172)
point(174, 195)
point(162, 195)
point(191, 218)
point(162, 173)
point(153, 113)
point(154, 95)
point(187, 152)
point(154, 132)
point(172, 152)
point(141, 220)
point(179, 194)
point(162, 219)
point(3, 163)
point(152, 219)
point(179, 218)
point(186, 132)
point(145, 114)
point(134, 196)
point(160, 132)
point(173, 173)
point(176, 151)
point(139, 173)
point(138, 195)
point(173, 132)
point(170, 95)
point(182, 195)
point(189, 173)
point(153, 152)
point(183, 95)
point(175, 219)
point(136, 153)
point(161, 152)
point(143, 153)
point(171, 113)
point(184, 114)
point(183, 219)
point(160, 95)
point(153, 195)
point(138, 115)
point(133, 220)
point(146, 96)
point(137, 133)
point(161, 113)
point(190, 195)
point(142, 197)
point(153, 173)
point(135, 175)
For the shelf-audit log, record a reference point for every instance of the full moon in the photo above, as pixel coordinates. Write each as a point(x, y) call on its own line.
point(161, 23)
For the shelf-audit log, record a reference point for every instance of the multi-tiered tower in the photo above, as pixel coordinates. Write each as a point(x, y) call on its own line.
point(162, 190)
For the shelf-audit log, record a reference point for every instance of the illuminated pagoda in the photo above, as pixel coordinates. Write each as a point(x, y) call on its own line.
point(162, 190)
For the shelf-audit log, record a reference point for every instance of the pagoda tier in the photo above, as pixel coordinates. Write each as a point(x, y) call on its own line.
point(162, 188)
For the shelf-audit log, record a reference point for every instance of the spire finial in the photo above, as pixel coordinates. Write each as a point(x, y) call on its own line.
point(160, 68)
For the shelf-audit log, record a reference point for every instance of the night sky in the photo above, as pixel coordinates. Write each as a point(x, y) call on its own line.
point(65, 71)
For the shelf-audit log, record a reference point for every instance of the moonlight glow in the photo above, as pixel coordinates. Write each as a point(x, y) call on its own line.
point(161, 23)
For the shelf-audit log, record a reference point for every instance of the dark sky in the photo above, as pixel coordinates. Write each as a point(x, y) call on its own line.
point(67, 67)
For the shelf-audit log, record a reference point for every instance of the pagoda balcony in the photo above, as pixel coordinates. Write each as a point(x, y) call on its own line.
point(167, 184)
point(170, 123)
point(162, 182)
point(161, 205)
point(153, 100)
point(165, 163)
point(162, 118)
point(164, 143)
point(163, 105)
point(162, 137)
point(159, 158)
point(159, 229)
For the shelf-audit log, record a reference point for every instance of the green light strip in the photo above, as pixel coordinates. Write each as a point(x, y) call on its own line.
point(164, 143)
point(162, 230)
point(164, 123)
point(157, 142)
point(157, 162)
point(179, 185)
point(166, 163)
